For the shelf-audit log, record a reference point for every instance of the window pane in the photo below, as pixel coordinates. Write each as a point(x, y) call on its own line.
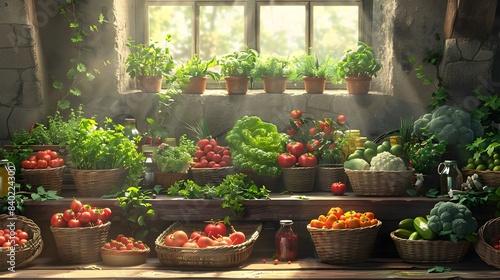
point(222, 30)
point(165, 20)
point(282, 30)
point(335, 28)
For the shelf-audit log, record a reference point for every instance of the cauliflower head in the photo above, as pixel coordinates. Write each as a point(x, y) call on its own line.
point(385, 161)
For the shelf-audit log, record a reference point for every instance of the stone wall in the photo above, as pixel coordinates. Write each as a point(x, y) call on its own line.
point(34, 48)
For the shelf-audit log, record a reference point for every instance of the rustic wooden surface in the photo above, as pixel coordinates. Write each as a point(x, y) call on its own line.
point(256, 269)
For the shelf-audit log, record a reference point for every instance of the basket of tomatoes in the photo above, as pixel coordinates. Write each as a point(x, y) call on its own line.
point(80, 231)
point(20, 241)
point(206, 245)
point(212, 163)
point(45, 169)
point(488, 245)
point(344, 237)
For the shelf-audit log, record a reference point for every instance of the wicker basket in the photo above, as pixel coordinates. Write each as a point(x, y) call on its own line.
point(214, 176)
point(50, 178)
point(81, 244)
point(220, 256)
point(484, 250)
point(430, 251)
point(124, 257)
point(26, 253)
point(96, 183)
point(344, 245)
point(299, 179)
point(326, 175)
point(167, 179)
point(271, 183)
point(488, 178)
point(379, 183)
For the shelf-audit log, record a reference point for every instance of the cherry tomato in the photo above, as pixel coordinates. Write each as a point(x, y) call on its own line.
point(313, 145)
point(296, 114)
point(341, 119)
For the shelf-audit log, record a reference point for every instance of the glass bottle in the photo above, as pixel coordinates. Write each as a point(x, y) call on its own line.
point(4, 178)
point(286, 242)
point(149, 174)
point(130, 129)
point(450, 176)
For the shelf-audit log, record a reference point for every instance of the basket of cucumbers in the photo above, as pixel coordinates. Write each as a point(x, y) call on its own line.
point(441, 237)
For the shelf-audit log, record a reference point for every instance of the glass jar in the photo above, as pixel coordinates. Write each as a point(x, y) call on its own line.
point(149, 174)
point(352, 138)
point(4, 178)
point(286, 242)
point(451, 177)
point(130, 129)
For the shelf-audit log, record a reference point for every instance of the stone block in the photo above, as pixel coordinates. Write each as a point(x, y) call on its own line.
point(24, 35)
point(17, 58)
point(10, 84)
point(7, 36)
point(14, 11)
point(31, 88)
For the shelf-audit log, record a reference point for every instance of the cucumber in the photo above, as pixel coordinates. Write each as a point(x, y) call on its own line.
point(403, 233)
point(420, 224)
point(407, 224)
point(415, 236)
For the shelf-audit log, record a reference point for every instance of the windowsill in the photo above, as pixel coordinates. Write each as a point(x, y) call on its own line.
point(223, 92)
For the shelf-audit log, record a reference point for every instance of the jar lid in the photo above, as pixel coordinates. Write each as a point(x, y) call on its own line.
point(129, 120)
point(450, 161)
point(286, 222)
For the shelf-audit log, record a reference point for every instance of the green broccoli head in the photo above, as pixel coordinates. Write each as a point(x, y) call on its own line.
point(460, 227)
point(434, 210)
point(448, 207)
point(420, 124)
point(455, 220)
point(435, 224)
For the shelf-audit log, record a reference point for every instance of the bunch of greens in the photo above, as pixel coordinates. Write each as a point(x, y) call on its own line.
point(255, 145)
point(175, 159)
point(425, 154)
point(309, 65)
point(238, 63)
point(271, 66)
point(97, 148)
point(233, 190)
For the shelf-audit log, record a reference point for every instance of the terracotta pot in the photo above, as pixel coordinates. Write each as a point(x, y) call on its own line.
point(314, 84)
point(150, 84)
point(274, 84)
point(358, 85)
point(237, 85)
point(196, 85)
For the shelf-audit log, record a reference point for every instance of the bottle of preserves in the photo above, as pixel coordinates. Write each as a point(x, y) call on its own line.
point(149, 174)
point(130, 129)
point(286, 242)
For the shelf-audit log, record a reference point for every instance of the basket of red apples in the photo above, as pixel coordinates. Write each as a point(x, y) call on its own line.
point(212, 244)
point(124, 251)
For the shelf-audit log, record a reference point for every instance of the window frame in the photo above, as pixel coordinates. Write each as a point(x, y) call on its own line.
point(251, 10)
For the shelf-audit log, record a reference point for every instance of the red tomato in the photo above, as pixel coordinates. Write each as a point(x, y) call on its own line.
point(32, 158)
point(76, 205)
point(53, 154)
point(176, 239)
point(61, 161)
point(204, 242)
point(341, 119)
point(202, 143)
point(307, 160)
point(6, 244)
point(215, 229)
point(40, 154)
point(226, 152)
point(2, 240)
point(104, 214)
point(286, 160)
point(198, 154)
point(54, 163)
point(313, 131)
point(191, 244)
point(217, 149)
point(217, 158)
point(47, 158)
point(41, 163)
point(22, 241)
point(32, 164)
point(57, 220)
point(338, 188)
point(313, 145)
point(195, 235)
point(237, 237)
point(213, 142)
point(85, 218)
point(226, 159)
point(296, 114)
point(208, 148)
point(295, 148)
point(74, 223)
point(68, 215)
point(210, 155)
point(291, 132)
point(25, 163)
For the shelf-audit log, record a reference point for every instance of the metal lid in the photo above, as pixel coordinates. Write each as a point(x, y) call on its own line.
point(286, 222)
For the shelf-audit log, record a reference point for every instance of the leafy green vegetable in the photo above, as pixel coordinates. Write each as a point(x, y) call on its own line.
point(438, 269)
point(175, 159)
point(255, 145)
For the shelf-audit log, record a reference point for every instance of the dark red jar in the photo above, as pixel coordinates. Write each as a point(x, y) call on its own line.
point(286, 242)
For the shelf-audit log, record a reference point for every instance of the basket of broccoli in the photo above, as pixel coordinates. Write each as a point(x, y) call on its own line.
point(445, 235)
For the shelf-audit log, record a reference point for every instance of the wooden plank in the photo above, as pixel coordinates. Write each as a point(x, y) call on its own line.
point(469, 18)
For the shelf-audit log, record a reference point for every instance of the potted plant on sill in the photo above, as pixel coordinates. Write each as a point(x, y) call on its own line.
point(313, 71)
point(173, 161)
point(149, 64)
point(357, 68)
point(103, 158)
point(192, 75)
point(273, 70)
point(236, 68)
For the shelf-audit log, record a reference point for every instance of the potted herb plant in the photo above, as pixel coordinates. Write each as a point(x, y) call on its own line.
point(357, 68)
point(273, 70)
point(149, 64)
point(192, 75)
point(236, 68)
point(314, 71)
point(103, 158)
point(173, 161)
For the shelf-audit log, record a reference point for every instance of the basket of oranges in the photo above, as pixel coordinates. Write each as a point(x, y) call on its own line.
point(344, 237)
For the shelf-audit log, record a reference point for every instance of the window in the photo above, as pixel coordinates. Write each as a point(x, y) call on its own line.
point(283, 27)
